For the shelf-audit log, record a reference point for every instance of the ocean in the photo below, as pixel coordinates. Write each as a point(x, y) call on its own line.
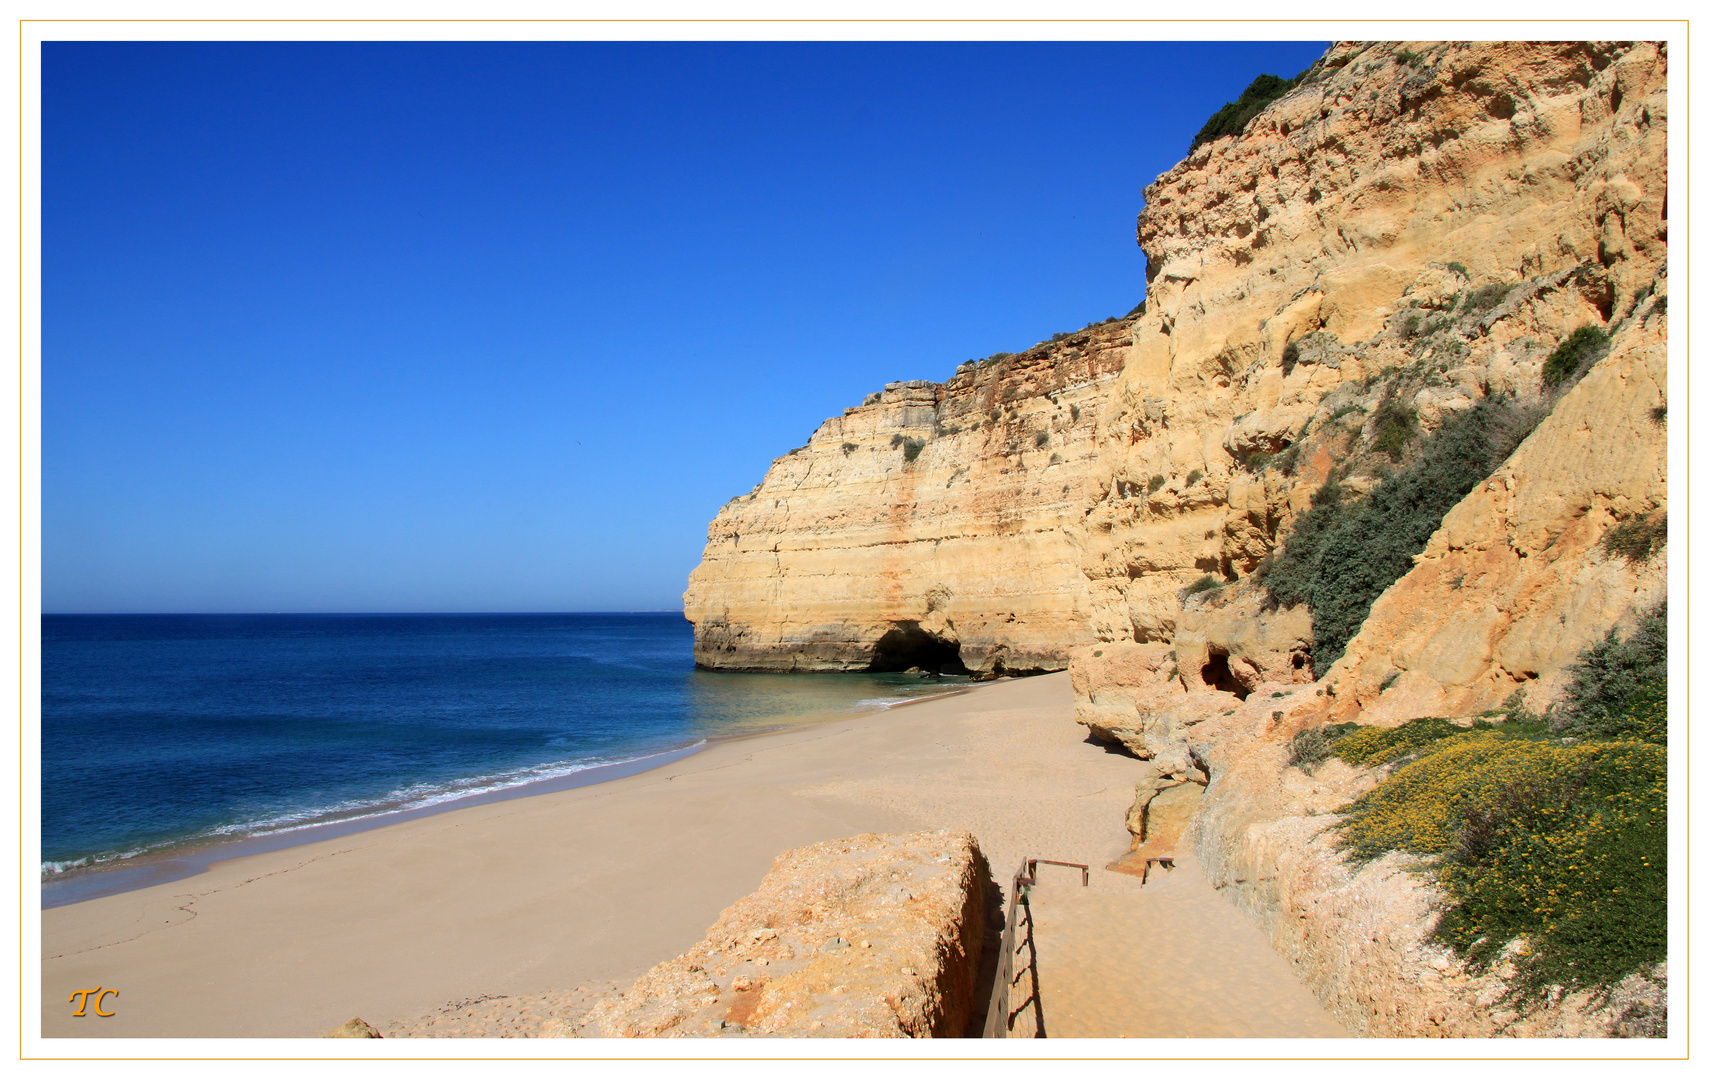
point(167, 734)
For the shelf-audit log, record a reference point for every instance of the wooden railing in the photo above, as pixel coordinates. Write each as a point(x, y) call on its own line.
point(1001, 1020)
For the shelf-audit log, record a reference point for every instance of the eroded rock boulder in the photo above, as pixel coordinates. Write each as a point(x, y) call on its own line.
point(875, 936)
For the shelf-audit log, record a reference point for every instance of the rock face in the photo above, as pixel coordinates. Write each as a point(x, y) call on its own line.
point(1416, 226)
point(1516, 581)
point(869, 937)
point(936, 525)
point(1413, 229)
point(1392, 235)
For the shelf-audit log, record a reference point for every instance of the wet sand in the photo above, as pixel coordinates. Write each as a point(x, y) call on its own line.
point(529, 898)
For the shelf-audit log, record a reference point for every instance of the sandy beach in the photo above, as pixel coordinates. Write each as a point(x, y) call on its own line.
point(528, 899)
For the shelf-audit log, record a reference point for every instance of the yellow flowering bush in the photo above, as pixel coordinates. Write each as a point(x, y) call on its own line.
point(1561, 843)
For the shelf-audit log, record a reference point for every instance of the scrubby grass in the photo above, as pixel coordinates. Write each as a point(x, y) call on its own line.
point(1041, 439)
point(1313, 746)
point(1155, 484)
point(1341, 554)
point(1583, 347)
point(1486, 298)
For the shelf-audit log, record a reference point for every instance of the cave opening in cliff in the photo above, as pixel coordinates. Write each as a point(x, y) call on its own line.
point(905, 645)
point(1217, 675)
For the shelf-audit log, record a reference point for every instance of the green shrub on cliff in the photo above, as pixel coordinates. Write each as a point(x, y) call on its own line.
point(1233, 117)
point(1396, 427)
point(1341, 554)
point(1636, 538)
point(1583, 347)
point(1563, 847)
point(1615, 677)
point(910, 447)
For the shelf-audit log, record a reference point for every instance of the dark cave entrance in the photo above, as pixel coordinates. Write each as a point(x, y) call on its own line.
point(905, 645)
point(1218, 676)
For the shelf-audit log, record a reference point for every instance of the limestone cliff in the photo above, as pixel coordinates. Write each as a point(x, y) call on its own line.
point(1413, 228)
point(937, 524)
point(1411, 231)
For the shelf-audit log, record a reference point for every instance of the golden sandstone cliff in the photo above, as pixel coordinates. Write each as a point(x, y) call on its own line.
point(1410, 231)
point(937, 524)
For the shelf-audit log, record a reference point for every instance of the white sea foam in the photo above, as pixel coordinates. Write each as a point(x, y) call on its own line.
point(417, 796)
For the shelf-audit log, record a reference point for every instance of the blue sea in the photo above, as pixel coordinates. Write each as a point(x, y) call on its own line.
point(168, 733)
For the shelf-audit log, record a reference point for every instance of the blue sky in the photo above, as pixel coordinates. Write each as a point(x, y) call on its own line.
point(498, 327)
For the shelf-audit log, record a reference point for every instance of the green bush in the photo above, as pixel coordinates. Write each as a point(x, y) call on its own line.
point(1460, 269)
point(1636, 538)
point(1396, 427)
point(1613, 676)
point(1041, 439)
point(848, 446)
point(1204, 584)
point(910, 447)
point(1340, 555)
point(1558, 843)
point(1157, 482)
point(1563, 846)
point(1290, 359)
point(1233, 117)
point(1486, 298)
point(1194, 477)
point(1583, 347)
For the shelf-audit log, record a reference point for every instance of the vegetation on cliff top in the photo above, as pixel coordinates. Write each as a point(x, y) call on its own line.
point(1233, 117)
point(1549, 838)
point(1342, 553)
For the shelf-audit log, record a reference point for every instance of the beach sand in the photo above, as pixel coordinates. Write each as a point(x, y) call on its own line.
point(554, 898)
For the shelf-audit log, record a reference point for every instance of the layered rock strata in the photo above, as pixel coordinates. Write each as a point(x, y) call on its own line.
point(869, 937)
point(935, 525)
point(1411, 230)
point(1415, 228)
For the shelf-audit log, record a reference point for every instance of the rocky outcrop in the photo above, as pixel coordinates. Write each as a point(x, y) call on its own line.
point(1517, 581)
point(1412, 230)
point(1399, 237)
point(1416, 226)
point(869, 937)
point(936, 525)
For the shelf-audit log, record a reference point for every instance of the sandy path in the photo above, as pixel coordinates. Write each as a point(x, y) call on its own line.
point(1171, 960)
point(537, 903)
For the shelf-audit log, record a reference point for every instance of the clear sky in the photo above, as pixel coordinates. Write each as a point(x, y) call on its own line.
point(499, 327)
